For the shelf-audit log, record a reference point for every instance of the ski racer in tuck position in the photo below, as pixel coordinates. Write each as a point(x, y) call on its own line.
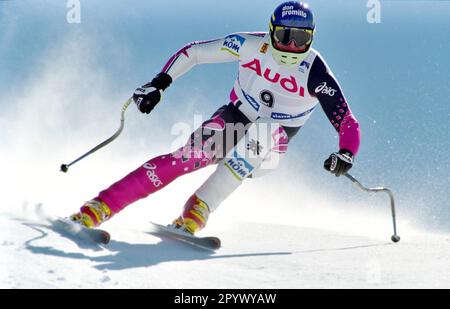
point(280, 82)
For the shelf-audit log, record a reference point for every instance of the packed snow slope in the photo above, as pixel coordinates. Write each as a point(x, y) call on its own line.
point(254, 255)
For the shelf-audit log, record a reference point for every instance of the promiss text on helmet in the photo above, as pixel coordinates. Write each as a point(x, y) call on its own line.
point(292, 27)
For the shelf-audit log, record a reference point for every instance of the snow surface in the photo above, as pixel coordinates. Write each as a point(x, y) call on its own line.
point(254, 255)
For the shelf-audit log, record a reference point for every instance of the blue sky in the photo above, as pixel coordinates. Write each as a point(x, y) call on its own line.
point(395, 75)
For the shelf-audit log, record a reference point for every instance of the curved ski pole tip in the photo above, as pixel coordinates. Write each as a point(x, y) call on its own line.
point(395, 238)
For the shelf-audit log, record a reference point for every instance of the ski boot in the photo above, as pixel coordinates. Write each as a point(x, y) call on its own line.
point(194, 216)
point(92, 214)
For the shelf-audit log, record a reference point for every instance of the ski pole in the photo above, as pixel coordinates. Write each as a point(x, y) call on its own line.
point(395, 237)
point(65, 167)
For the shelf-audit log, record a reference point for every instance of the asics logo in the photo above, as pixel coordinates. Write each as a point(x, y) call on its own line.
point(151, 174)
point(323, 88)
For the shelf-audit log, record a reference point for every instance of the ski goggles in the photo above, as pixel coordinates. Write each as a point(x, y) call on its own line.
point(300, 37)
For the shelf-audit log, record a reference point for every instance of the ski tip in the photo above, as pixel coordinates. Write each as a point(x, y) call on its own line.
point(106, 238)
point(209, 243)
point(216, 246)
point(218, 243)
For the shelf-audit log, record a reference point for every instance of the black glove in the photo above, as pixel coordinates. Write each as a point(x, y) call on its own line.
point(339, 163)
point(147, 96)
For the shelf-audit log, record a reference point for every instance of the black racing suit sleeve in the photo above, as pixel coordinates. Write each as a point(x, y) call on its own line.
point(323, 85)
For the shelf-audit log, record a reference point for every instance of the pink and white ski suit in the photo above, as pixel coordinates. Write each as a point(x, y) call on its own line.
point(263, 90)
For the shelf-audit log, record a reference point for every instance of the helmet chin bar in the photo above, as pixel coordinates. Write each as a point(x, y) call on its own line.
point(286, 58)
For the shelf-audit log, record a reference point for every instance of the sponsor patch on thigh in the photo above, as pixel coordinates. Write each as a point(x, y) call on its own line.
point(238, 166)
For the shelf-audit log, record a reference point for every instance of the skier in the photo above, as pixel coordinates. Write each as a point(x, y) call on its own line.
point(280, 82)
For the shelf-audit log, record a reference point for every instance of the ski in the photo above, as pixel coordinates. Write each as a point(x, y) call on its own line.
point(97, 236)
point(74, 230)
point(208, 243)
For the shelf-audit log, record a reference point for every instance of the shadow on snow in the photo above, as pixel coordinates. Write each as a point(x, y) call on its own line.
point(125, 255)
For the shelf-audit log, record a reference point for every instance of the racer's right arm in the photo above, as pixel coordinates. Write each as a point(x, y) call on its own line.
point(225, 49)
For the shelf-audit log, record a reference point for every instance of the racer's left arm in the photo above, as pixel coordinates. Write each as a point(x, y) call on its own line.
point(323, 85)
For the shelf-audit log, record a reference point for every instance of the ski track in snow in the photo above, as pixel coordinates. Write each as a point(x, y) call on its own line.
point(254, 255)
